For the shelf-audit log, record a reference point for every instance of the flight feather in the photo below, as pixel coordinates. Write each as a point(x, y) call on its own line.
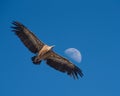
point(27, 37)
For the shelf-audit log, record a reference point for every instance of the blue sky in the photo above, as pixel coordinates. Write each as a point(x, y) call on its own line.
point(92, 26)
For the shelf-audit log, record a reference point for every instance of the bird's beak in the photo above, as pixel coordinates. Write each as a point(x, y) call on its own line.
point(52, 46)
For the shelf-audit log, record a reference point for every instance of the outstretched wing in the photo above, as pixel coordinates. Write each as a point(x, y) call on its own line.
point(27, 37)
point(62, 64)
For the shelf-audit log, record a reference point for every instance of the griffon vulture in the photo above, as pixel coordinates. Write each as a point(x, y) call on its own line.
point(45, 52)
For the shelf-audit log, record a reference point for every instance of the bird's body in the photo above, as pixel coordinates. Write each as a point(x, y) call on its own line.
point(45, 52)
point(42, 54)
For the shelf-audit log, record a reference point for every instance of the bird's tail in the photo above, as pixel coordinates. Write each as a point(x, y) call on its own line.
point(35, 61)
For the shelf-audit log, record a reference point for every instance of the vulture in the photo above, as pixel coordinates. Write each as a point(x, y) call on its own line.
point(44, 52)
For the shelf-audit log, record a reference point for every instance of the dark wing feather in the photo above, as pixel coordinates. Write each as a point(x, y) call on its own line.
point(27, 37)
point(62, 64)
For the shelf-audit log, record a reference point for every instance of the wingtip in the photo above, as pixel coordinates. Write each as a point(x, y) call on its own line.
point(78, 71)
point(14, 22)
point(75, 73)
point(17, 23)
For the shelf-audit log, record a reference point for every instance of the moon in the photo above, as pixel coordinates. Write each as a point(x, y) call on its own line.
point(74, 54)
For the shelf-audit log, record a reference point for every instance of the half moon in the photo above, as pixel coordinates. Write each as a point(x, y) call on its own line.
point(74, 54)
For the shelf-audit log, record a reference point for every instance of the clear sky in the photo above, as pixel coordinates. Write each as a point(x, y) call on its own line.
point(92, 26)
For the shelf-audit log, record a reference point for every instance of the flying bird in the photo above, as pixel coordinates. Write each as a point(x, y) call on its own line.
point(44, 52)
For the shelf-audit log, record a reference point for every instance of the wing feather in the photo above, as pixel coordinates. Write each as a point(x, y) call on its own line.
point(62, 64)
point(27, 37)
